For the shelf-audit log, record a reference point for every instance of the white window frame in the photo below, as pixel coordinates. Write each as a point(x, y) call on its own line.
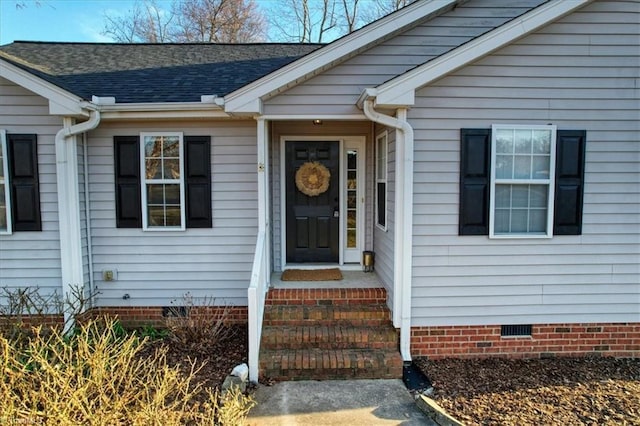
point(4, 181)
point(144, 181)
point(550, 181)
point(384, 137)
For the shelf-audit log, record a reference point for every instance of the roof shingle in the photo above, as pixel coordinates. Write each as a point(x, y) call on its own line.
point(139, 73)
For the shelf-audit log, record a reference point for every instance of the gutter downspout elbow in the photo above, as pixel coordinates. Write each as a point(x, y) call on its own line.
point(403, 239)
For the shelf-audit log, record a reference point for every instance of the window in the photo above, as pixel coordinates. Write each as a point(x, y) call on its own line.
point(171, 172)
point(522, 173)
point(381, 180)
point(521, 181)
point(5, 203)
point(162, 173)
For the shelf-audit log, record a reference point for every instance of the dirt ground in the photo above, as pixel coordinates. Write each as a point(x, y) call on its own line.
point(557, 391)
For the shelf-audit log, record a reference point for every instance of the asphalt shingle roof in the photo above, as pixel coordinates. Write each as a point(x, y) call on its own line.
point(135, 73)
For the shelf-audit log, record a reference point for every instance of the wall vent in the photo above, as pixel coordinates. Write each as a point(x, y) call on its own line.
point(515, 330)
point(174, 311)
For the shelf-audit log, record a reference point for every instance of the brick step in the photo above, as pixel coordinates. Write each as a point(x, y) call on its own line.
point(356, 315)
point(326, 296)
point(329, 337)
point(326, 364)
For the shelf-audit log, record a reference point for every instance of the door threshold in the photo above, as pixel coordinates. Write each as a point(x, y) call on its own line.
point(311, 266)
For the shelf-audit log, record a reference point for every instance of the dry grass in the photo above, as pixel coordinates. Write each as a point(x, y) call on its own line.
point(94, 377)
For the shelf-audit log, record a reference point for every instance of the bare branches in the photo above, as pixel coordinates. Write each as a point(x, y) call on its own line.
point(219, 21)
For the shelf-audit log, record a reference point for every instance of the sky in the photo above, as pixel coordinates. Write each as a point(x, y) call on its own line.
point(58, 20)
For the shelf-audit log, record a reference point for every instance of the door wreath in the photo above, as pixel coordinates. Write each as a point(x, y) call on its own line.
point(312, 178)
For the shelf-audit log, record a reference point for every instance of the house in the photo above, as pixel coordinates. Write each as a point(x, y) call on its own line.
point(488, 152)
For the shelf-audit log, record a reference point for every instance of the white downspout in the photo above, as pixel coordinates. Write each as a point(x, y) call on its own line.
point(69, 204)
point(404, 220)
point(87, 213)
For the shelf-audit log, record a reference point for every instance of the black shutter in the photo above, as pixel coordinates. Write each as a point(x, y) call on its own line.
point(25, 188)
point(570, 154)
point(475, 161)
point(198, 181)
point(127, 179)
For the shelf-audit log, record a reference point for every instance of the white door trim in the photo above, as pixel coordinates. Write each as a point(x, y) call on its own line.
point(350, 141)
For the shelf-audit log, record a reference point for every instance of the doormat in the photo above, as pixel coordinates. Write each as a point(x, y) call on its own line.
point(332, 274)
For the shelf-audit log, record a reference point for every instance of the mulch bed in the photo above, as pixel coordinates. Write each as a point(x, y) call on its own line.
point(563, 391)
point(218, 359)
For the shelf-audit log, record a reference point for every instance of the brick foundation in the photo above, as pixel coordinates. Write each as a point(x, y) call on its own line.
point(140, 316)
point(546, 340)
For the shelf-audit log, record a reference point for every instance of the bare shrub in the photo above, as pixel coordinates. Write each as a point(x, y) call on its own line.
point(196, 326)
point(94, 377)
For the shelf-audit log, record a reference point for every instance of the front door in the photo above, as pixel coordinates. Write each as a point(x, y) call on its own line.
point(312, 212)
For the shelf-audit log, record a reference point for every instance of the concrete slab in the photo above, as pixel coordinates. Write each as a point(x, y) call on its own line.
point(340, 402)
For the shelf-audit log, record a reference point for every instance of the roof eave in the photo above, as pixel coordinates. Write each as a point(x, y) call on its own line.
point(400, 91)
point(248, 99)
point(157, 110)
point(61, 102)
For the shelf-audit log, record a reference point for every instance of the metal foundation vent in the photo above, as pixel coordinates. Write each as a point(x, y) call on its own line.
point(515, 330)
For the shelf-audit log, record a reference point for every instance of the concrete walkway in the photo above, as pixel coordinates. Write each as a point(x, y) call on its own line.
point(340, 402)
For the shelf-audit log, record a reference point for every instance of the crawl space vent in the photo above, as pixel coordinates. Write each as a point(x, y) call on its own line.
point(517, 330)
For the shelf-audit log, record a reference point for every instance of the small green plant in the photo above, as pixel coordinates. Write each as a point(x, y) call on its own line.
point(153, 333)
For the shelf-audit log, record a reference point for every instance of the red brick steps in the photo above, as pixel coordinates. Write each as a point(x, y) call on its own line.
point(328, 334)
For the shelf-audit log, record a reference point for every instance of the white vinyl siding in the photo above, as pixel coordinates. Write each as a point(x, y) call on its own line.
point(336, 90)
point(383, 244)
point(33, 258)
point(156, 268)
point(580, 73)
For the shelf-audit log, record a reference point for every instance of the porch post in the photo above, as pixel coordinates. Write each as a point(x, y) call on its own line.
point(263, 190)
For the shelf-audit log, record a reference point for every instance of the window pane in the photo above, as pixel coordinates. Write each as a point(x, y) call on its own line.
point(522, 167)
point(153, 146)
point(538, 220)
point(504, 167)
point(155, 215)
point(173, 216)
point(351, 200)
point(155, 194)
point(1, 168)
point(382, 207)
point(541, 142)
point(352, 156)
point(171, 146)
point(540, 167)
point(503, 196)
point(172, 194)
point(538, 196)
point(171, 169)
point(501, 225)
point(519, 221)
point(351, 238)
point(152, 169)
point(520, 194)
point(523, 141)
point(504, 141)
point(352, 182)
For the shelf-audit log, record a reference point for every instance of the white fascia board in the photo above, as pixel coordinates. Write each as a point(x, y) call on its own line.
point(246, 99)
point(400, 90)
point(167, 110)
point(61, 102)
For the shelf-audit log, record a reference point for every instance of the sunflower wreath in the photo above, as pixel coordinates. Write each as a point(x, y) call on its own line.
point(312, 178)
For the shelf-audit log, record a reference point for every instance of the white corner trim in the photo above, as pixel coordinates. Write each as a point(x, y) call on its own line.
point(244, 99)
point(394, 92)
point(60, 100)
